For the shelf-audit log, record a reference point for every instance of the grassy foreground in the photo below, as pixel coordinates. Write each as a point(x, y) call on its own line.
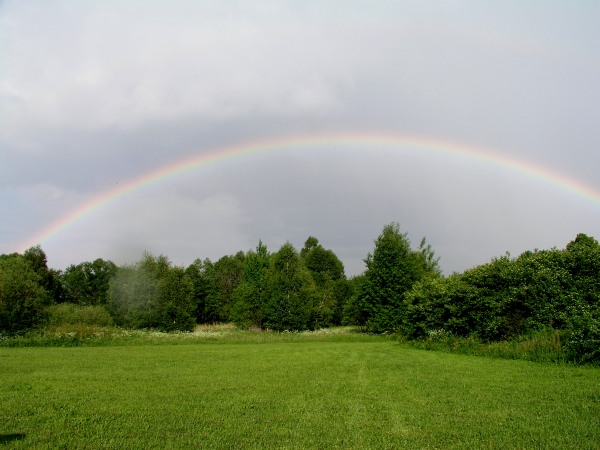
point(269, 392)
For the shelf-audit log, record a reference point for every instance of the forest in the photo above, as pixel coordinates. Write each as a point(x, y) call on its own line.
point(402, 292)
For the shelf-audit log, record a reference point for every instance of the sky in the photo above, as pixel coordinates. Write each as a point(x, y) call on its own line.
point(473, 124)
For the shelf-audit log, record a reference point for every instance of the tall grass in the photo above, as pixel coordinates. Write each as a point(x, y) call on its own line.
point(75, 335)
point(544, 346)
point(540, 346)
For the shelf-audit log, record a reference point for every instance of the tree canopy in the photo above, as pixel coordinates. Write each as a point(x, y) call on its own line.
point(391, 271)
point(401, 291)
point(22, 294)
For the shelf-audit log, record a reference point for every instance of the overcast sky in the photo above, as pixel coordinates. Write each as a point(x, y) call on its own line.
point(97, 93)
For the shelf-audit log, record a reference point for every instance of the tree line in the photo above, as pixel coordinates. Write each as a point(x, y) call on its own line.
point(401, 291)
point(282, 290)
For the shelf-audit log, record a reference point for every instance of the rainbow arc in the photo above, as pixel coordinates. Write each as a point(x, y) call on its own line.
point(391, 141)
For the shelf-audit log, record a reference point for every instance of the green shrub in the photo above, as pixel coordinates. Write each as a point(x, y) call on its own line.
point(544, 345)
point(507, 298)
point(583, 341)
point(71, 314)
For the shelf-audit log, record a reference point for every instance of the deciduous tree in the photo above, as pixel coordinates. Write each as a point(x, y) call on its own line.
point(251, 295)
point(88, 283)
point(292, 291)
point(152, 294)
point(327, 272)
point(22, 296)
point(392, 269)
point(49, 279)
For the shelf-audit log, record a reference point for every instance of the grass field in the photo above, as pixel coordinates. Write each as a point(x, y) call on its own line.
point(331, 391)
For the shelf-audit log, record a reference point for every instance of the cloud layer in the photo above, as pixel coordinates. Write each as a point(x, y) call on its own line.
point(93, 94)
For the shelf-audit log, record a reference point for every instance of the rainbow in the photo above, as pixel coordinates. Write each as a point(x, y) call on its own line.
point(395, 142)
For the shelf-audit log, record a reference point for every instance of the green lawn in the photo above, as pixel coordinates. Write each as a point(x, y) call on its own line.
point(373, 393)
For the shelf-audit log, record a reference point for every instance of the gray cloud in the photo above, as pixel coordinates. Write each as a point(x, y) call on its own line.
point(94, 94)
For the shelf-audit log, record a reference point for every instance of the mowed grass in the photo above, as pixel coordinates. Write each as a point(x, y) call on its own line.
point(359, 393)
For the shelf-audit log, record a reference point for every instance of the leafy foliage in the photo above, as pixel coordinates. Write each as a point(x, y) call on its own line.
point(353, 314)
point(558, 289)
point(71, 314)
point(175, 305)
point(322, 263)
point(428, 262)
point(552, 293)
point(201, 274)
point(49, 279)
point(88, 283)
point(327, 271)
point(22, 295)
point(392, 270)
point(251, 294)
point(152, 294)
point(133, 298)
point(226, 275)
point(292, 291)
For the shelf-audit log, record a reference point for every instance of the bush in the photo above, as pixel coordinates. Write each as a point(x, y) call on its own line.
point(71, 314)
point(544, 345)
point(507, 298)
point(583, 341)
